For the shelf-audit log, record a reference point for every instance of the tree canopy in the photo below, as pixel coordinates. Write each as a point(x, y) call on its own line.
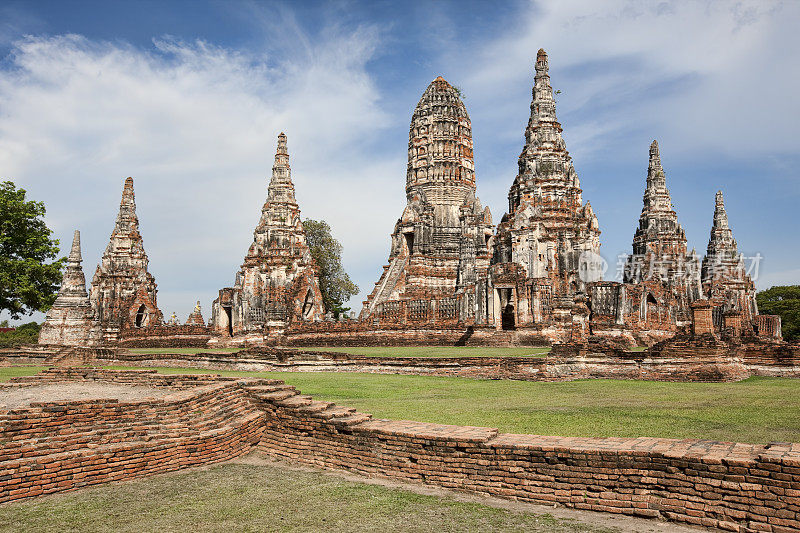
point(784, 301)
point(334, 283)
point(28, 282)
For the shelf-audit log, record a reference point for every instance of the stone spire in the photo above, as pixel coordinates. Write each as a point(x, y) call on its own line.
point(721, 241)
point(279, 232)
point(724, 275)
point(125, 249)
point(70, 320)
point(123, 292)
point(276, 283)
point(548, 225)
point(281, 188)
point(659, 242)
point(440, 160)
point(659, 232)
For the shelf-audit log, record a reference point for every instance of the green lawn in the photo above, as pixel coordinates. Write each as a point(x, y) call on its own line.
point(757, 410)
point(244, 497)
point(8, 372)
point(433, 351)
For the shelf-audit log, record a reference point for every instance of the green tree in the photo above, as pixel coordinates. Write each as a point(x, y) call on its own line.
point(334, 283)
point(27, 282)
point(785, 302)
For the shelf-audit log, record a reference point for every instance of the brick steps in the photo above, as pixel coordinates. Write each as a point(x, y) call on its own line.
point(295, 401)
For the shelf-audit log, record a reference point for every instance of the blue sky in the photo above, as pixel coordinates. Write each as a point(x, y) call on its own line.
point(188, 97)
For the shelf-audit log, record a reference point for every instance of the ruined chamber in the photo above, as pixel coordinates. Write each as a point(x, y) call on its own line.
point(440, 246)
point(276, 285)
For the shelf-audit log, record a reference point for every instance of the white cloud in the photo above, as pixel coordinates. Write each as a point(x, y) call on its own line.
point(718, 76)
point(195, 125)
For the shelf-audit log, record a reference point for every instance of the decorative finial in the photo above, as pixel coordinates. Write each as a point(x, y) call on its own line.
point(541, 62)
point(75, 252)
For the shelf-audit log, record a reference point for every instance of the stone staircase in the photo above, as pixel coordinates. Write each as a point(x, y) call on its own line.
point(396, 269)
point(279, 394)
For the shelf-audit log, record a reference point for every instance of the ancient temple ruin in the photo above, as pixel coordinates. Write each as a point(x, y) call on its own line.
point(540, 243)
point(660, 278)
point(440, 247)
point(724, 277)
point(276, 284)
point(450, 277)
point(123, 292)
point(70, 321)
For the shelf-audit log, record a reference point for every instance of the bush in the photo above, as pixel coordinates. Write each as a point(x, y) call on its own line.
point(24, 334)
point(783, 301)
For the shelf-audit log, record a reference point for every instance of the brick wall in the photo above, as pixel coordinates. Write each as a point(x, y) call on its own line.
point(736, 487)
point(66, 445)
point(57, 446)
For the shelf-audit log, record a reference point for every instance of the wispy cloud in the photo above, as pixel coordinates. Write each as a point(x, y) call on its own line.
point(698, 73)
point(195, 125)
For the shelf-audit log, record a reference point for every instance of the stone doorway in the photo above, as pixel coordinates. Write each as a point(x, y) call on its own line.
point(507, 310)
point(409, 239)
point(229, 316)
point(141, 316)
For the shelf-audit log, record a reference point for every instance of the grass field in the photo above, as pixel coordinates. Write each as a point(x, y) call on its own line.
point(244, 497)
point(757, 410)
point(8, 372)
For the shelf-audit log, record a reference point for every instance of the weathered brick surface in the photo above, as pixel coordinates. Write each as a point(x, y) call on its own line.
point(57, 446)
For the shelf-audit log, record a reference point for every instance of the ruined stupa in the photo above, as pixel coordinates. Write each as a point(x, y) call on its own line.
point(70, 321)
point(659, 245)
point(540, 241)
point(440, 245)
point(123, 292)
point(276, 284)
point(724, 276)
point(196, 316)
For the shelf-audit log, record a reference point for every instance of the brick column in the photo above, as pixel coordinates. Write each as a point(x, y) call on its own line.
point(702, 322)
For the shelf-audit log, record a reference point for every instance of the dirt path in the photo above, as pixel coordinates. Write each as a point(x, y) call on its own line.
point(16, 397)
point(624, 524)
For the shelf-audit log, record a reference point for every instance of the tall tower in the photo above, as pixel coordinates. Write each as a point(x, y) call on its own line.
point(548, 226)
point(71, 321)
point(659, 244)
point(123, 292)
point(439, 244)
point(724, 277)
point(276, 283)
